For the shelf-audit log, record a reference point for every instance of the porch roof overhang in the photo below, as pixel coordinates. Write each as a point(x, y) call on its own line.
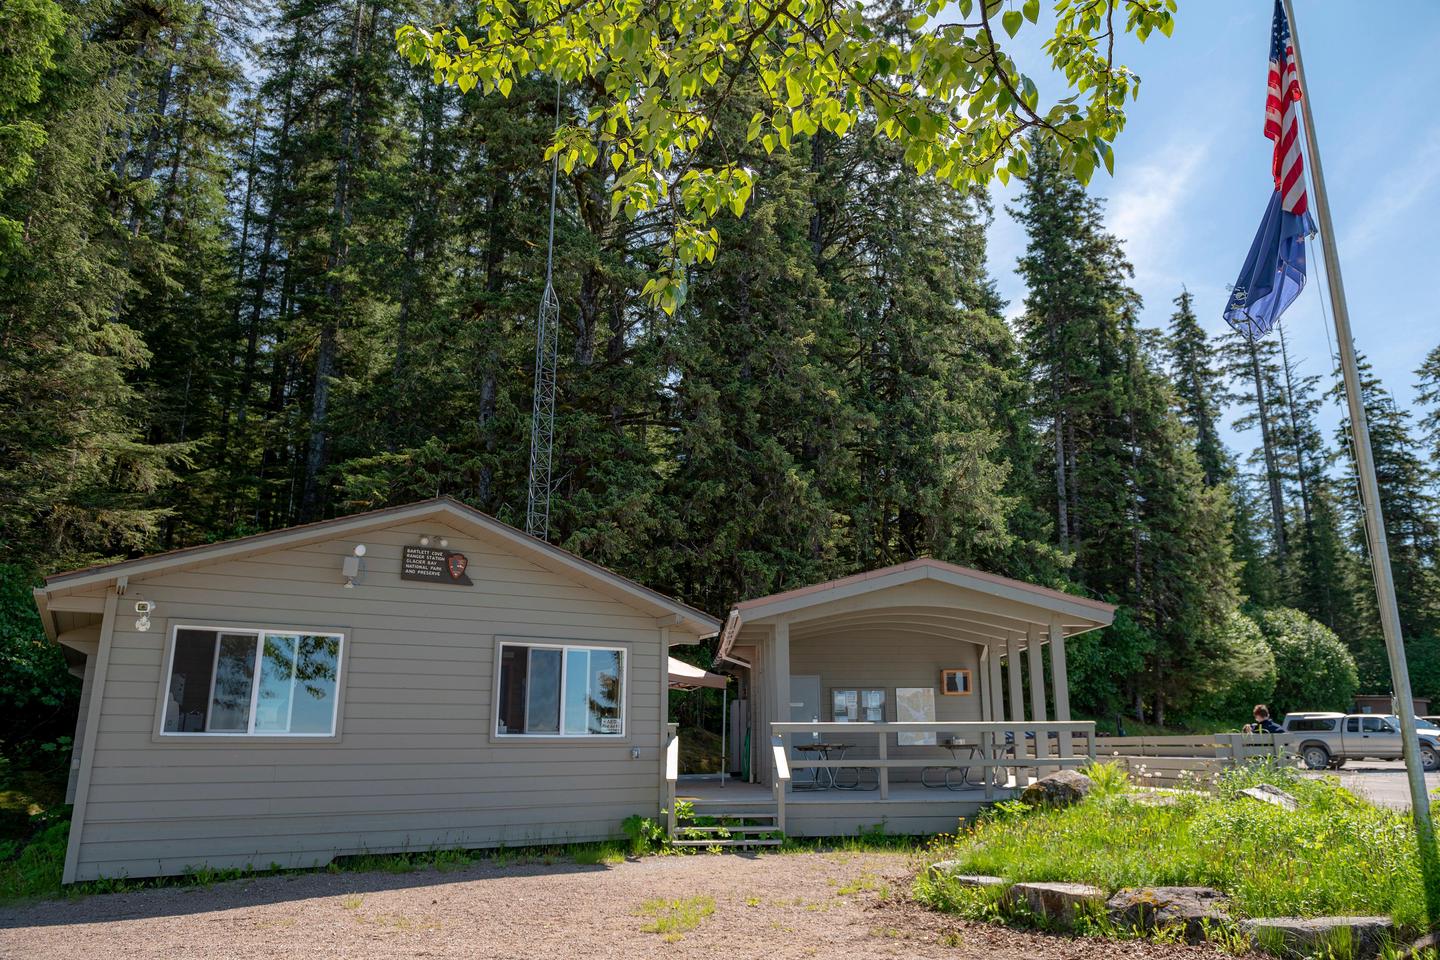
point(920, 598)
point(687, 676)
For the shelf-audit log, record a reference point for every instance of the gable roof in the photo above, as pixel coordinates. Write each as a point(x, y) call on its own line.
point(1079, 614)
point(542, 554)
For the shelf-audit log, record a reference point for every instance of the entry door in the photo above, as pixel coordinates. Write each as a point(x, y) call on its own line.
point(804, 708)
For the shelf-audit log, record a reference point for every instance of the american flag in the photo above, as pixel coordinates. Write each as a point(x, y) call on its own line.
point(1274, 270)
point(1282, 121)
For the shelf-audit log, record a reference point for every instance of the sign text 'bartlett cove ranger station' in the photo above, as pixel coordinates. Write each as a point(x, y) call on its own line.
point(434, 566)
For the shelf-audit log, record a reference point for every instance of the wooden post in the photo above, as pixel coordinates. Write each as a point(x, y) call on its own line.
point(997, 689)
point(781, 685)
point(883, 753)
point(984, 683)
point(1017, 697)
point(1062, 682)
point(1017, 690)
point(1037, 674)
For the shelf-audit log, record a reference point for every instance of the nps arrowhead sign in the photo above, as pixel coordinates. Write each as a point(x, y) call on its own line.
point(434, 566)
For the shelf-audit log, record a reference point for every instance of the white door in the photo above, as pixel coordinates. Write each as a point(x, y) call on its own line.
point(804, 708)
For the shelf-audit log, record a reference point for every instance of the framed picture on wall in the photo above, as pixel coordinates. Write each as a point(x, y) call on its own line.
point(955, 683)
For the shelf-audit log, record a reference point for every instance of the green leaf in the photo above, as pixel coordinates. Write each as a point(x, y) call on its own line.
point(1011, 21)
point(1032, 10)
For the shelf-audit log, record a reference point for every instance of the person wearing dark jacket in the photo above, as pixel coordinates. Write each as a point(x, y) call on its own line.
point(1263, 723)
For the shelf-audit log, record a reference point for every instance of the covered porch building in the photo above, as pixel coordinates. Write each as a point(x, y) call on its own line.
point(907, 696)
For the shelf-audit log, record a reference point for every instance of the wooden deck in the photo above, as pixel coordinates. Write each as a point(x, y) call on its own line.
point(911, 809)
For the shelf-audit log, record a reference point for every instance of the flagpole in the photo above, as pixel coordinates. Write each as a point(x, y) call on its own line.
point(1365, 468)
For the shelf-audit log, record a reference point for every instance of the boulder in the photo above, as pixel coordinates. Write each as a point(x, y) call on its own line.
point(1150, 908)
point(951, 869)
point(1357, 937)
point(1057, 902)
point(1272, 795)
point(1059, 789)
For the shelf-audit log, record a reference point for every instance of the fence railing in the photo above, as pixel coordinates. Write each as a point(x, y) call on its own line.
point(994, 747)
point(1170, 761)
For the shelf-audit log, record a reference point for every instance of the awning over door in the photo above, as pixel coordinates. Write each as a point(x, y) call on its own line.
point(685, 676)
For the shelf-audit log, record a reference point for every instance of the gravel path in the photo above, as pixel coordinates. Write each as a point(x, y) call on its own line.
point(788, 906)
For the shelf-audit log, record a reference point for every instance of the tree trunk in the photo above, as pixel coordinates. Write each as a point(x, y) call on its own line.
point(317, 449)
point(1272, 473)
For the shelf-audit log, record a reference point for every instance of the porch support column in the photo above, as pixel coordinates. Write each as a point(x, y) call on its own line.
point(1037, 673)
point(1062, 685)
point(997, 713)
point(1017, 690)
point(997, 685)
point(781, 686)
point(983, 682)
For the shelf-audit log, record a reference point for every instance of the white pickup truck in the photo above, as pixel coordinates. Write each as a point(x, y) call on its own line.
point(1330, 739)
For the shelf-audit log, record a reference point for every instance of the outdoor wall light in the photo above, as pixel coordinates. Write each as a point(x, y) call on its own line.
point(424, 541)
point(353, 567)
point(143, 607)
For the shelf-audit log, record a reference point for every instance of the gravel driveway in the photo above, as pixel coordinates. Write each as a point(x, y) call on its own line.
point(793, 905)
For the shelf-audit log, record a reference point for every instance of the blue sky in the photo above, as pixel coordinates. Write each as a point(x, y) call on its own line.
point(1192, 172)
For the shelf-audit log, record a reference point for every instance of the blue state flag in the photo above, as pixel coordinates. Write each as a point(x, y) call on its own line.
point(1274, 271)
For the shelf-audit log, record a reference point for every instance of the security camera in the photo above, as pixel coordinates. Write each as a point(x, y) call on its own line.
point(143, 607)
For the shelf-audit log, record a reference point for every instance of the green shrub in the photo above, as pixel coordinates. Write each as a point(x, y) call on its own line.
point(35, 870)
point(1314, 669)
point(1249, 676)
point(1335, 855)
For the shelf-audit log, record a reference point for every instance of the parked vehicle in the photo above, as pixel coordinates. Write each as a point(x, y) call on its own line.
point(1330, 739)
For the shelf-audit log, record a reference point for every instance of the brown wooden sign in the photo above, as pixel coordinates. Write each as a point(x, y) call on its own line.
point(434, 566)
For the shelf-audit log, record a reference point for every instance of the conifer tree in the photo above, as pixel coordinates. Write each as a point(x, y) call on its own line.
point(1199, 385)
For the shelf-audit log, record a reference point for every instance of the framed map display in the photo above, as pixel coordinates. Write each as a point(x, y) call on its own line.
point(915, 705)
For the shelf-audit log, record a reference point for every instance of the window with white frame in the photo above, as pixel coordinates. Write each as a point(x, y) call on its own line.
point(239, 682)
point(560, 690)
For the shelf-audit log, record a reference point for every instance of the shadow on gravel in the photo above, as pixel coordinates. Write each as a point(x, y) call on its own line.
point(246, 892)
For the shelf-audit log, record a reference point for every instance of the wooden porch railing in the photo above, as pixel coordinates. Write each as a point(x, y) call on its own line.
point(1032, 745)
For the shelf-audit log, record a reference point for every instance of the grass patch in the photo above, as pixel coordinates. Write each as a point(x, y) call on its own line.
point(1335, 855)
point(672, 919)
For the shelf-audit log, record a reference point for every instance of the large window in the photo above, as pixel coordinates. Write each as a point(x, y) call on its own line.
point(255, 682)
point(550, 690)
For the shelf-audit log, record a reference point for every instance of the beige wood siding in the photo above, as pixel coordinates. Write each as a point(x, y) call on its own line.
point(414, 765)
point(883, 662)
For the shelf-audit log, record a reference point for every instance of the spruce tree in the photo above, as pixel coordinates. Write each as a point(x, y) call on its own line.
point(1199, 385)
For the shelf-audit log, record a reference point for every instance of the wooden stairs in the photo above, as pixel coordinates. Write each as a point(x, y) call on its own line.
point(727, 823)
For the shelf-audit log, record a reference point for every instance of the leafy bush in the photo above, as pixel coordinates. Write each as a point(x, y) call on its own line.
point(34, 869)
point(1248, 677)
point(1314, 669)
point(39, 694)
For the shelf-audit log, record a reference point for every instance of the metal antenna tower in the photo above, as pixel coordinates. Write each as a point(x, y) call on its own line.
point(547, 349)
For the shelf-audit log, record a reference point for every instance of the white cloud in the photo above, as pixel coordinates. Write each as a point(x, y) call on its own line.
point(1144, 207)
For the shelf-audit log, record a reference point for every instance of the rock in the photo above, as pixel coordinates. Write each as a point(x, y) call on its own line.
point(1059, 789)
point(1266, 793)
point(1357, 937)
point(1058, 902)
point(1149, 908)
point(951, 868)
